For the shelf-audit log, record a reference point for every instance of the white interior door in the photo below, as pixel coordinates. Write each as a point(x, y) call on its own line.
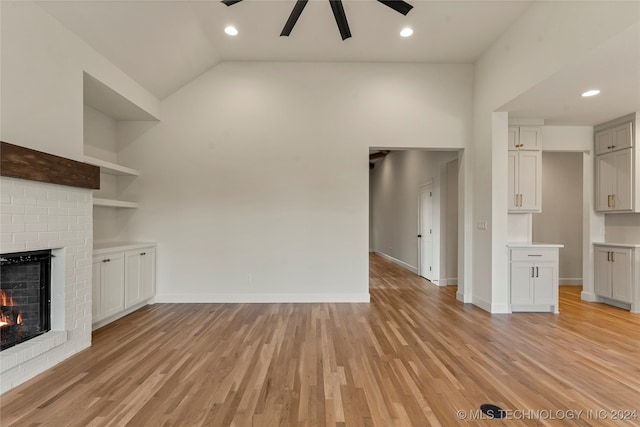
point(426, 231)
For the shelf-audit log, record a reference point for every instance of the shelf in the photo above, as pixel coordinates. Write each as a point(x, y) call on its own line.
point(110, 203)
point(111, 168)
point(100, 248)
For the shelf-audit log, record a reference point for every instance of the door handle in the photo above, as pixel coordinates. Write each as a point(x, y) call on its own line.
point(537, 272)
point(613, 256)
point(613, 199)
point(609, 200)
point(532, 272)
point(608, 256)
point(419, 235)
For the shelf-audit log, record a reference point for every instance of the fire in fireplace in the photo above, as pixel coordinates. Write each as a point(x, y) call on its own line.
point(25, 296)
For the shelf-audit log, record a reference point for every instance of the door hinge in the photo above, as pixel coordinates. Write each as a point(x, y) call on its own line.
point(429, 268)
point(430, 194)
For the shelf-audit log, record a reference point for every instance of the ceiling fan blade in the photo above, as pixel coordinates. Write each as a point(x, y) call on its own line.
point(399, 6)
point(293, 18)
point(230, 2)
point(341, 18)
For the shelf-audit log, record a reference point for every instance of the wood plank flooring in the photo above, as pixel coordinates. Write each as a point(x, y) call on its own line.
point(413, 357)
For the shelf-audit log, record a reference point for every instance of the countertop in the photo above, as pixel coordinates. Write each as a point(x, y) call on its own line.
point(622, 245)
point(106, 247)
point(534, 245)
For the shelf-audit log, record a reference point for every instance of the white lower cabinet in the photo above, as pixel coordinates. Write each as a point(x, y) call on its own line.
point(108, 285)
point(121, 280)
point(533, 279)
point(617, 275)
point(140, 279)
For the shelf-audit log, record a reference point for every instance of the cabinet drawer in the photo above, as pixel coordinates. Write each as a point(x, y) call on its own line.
point(534, 254)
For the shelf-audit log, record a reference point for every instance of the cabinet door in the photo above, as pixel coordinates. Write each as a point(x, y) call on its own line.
point(529, 170)
point(147, 274)
point(112, 282)
point(530, 138)
point(602, 272)
point(514, 138)
point(621, 274)
point(521, 283)
point(140, 276)
point(622, 177)
point(543, 289)
point(513, 180)
point(622, 136)
point(96, 289)
point(605, 177)
point(604, 141)
point(132, 280)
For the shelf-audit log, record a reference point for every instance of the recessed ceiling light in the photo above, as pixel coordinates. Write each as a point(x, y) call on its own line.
point(406, 32)
point(231, 30)
point(591, 92)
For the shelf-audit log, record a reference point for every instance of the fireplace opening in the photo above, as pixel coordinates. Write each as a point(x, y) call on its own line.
point(25, 296)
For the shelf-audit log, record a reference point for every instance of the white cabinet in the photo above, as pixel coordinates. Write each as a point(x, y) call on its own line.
point(525, 138)
point(614, 273)
point(140, 280)
point(525, 181)
point(614, 181)
point(617, 187)
point(108, 285)
point(615, 138)
point(123, 279)
point(533, 279)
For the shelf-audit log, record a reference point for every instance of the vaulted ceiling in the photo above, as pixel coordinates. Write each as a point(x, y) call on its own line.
point(164, 44)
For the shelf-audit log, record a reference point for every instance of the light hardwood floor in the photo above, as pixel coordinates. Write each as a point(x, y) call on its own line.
point(413, 357)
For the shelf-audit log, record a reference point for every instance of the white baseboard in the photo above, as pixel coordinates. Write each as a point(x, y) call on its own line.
point(465, 298)
point(263, 298)
point(479, 302)
point(570, 281)
point(451, 281)
point(491, 308)
point(403, 264)
point(588, 296)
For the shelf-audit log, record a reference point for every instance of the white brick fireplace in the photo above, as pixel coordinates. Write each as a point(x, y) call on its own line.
point(34, 216)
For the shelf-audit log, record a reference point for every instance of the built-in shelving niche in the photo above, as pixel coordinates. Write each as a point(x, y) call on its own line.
point(104, 109)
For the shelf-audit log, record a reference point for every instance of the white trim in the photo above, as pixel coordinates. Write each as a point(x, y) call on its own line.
point(479, 302)
point(588, 296)
point(500, 309)
point(491, 308)
point(99, 324)
point(451, 281)
point(398, 262)
point(462, 297)
point(264, 298)
point(571, 281)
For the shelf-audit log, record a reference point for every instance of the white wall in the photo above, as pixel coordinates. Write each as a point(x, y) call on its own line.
point(42, 64)
point(395, 184)
point(255, 183)
point(548, 37)
point(561, 218)
point(450, 219)
point(622, 228)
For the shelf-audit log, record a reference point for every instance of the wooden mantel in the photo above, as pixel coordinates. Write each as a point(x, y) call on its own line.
point(25, 163)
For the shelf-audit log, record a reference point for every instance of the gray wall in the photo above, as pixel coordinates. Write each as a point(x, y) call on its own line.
point(561, 218)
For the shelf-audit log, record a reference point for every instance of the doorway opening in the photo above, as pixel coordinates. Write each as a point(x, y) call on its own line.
point(413, 211)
